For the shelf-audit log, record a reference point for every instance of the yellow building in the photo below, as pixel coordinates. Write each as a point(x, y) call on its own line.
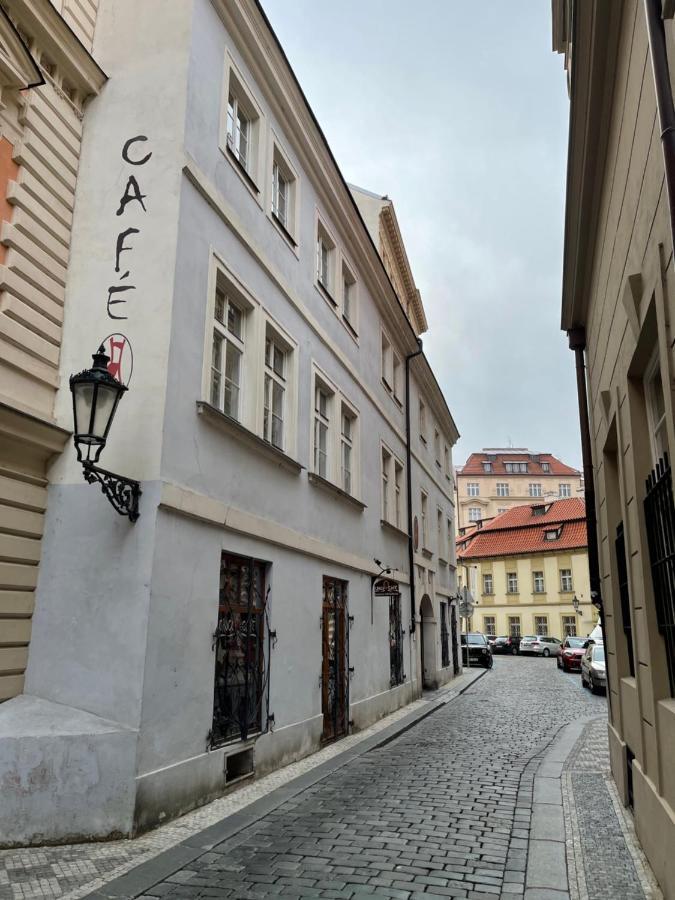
point(494, 480)
point(525, 569)
point(618, 308)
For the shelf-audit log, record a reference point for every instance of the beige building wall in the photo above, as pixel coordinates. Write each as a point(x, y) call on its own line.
point(496, 609)
point(40, 134)
point(619, 286)
point(491, 503)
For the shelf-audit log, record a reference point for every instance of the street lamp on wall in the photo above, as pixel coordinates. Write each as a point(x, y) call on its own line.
point(96, 395)
point(575, 604)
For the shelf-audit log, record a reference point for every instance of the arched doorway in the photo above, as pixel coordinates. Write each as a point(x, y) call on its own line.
point(427, 643)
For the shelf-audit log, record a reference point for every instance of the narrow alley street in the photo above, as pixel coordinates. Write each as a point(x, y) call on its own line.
point(503, 791)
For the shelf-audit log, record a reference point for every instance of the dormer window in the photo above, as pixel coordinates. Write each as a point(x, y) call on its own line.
point(552, 534)
point(545, 467)
point(487, 466)
point(541, 509)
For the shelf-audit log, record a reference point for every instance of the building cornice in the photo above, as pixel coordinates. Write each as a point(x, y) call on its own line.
point(53, 36)
point(393, 232)
point(595, 36)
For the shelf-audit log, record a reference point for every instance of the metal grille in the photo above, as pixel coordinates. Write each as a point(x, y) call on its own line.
point(453, 630)
point(241, 675)
point(445, 643)
point(335, 669)
point(660, 525)
point(624, 595)
point(396, 673)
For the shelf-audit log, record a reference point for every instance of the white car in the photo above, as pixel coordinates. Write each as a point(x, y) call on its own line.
point(539, 645)
point(593, 671)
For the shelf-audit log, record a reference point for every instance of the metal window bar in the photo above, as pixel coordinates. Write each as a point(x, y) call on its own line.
point(455, 652)
point(242, 668)
point(660, 526)
point(397, 675)
point(445, 644)
point(336, 670)
point(624, 594)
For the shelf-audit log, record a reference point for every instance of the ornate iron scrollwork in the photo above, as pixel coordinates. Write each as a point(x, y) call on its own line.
point(123, 493)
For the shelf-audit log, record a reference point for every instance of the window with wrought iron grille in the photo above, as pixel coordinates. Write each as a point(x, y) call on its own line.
point(241, 644)
point(566, 580)
point(535, 490)
point(502, 489)
point(490, 625)
point(397, 675)
point(569, 626)
point(275, 391)
point(445, 636)
point(541, 626)
point(227, 353)
point(488, 583)
point(512, 582)
point(322, 405)
point(473, 489)
point(514, 626)
point(538, 582)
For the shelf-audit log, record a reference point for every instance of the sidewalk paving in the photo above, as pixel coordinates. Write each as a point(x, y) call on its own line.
point(70, 872)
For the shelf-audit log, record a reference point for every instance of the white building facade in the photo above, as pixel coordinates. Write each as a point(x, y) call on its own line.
point(261, 605)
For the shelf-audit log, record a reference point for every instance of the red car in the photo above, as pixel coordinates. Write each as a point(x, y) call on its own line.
point(570, 654)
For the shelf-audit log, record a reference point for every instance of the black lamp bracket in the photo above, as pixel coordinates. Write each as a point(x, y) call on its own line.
point(123, 493)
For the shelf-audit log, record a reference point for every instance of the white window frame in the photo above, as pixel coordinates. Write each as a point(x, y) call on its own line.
point(398, 493)
point(278, 159)
point(488, 584)
point(535, 489)
point(490, 625)
point(440, 543)
point(538, 582)
point(473, 489)
point(348, 278)
point(511, 582)
point(658, 434)
point(502, 488)
point(450, 528)
point(323, 236)
point(235, 85)
point(348, 445)
point(474, 509)
point(566, 581)
point(546, 467)
point(386, 458)
point(537, 631)
point(564, 490)
point(424, 518)
point(285, 342)
point(337, 402)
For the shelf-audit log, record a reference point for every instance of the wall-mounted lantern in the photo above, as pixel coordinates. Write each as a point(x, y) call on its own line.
point(96, 394)
point(575, 604)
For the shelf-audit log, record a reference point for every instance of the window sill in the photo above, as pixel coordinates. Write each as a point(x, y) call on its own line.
point(331, 488)
point(241, 169)
point(285, 233)
point(350, 328)
point(238, 431)
point(442, 560)
point(326, 294)
point(427, 554)
point(394, 529)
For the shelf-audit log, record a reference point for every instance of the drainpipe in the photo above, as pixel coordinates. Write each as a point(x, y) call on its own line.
point(408, 461)
point(577, 341)
point(664, 99)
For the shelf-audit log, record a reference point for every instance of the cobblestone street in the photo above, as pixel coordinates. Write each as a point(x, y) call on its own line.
point(463, 804)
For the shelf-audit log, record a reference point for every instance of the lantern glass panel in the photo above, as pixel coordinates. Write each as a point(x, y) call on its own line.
point(105, 407)
point(84, 395)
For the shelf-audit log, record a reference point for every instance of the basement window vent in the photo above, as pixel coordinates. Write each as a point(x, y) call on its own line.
point(238, 765)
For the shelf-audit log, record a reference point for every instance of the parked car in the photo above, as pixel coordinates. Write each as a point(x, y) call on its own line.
point(506, 644)
point(593, 672)
point(478, 649)
point(539, 645)
point(571, 651)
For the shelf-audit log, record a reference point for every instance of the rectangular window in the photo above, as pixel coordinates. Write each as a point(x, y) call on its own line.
point(512, 583)
point(240, 650)
point(347, 444)
point(473, 489)
point(490, 625)
point(514, 626)
point(487, 467)
point(423, 421)
point(227, 353)
point(239, 128)
point(624, 595)
point(424, 502)
point(565, 490)
point(396, 376)
point(281, 190)
point(386, 362)
point(488, 584)
point(569, 626)
point(348, 297)
point(501, 509)
point(398, 476)
point(440, 543)
point(502, 489)
point(535, 490)
point(275, 390)
point(541, 626)
point(656, 409)
point(437, 447)
point(451, 538)
point(566, 580)
point(446, 456)
point(538, 579)
point(325, 256)
point(545, 467)
point(386, 465)
point(322, 401)
point(475, 514)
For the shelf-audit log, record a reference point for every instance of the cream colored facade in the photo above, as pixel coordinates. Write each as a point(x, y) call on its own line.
point(619, 306)
point(46, 76)
point(485, 496)
point(527, 611)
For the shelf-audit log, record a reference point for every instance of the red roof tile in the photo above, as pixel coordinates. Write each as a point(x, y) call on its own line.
point(520, 530)
point(474, 464)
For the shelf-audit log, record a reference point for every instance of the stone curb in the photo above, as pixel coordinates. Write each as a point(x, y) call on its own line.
point(141, 878)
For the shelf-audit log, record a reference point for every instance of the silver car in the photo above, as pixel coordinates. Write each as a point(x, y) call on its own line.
point(539, 645)
point(593, 672)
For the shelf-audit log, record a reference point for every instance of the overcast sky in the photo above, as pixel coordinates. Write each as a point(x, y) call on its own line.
point(458, 111)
